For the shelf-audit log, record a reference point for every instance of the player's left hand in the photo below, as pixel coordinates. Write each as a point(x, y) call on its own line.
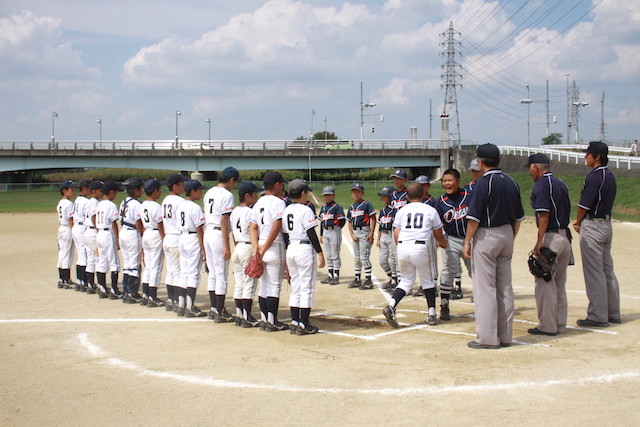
point(536, 248)
point(576, 227)
point(466, 250)
point(370, 239)
point(320, 260)
point(227, 254)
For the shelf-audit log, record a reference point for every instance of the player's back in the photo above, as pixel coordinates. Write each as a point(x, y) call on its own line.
point(189, 216)
point(417, 221)
point(65, 211)
point(150, 214)
point(79, 208)
point(106, 213)
point(169, 208)
point(266, 211)
point(240, 219)
point(217, 201)
point(296, 220)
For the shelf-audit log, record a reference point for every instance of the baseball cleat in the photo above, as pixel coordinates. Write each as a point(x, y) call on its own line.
point(389, 285)
point(102, 295)
point(194, 312)
point(444, 312)
point(114, 296)
point(277, 326)
point(457, 294)
point(334, 281)
point(90, 290)
point(476, 345)
point(224, 317)
point(212, 315)
point(262, 324)
point(327, 280)
point(367, 284)
point(355, 283)
point(144, 301)
point(419, 293)
point(60, 284)
point(136, 297)
point(251, 322)
point(168, 306)
point(292, 328)
point(390, 313)
point(128, 299)
point(151, 303)
point(68, 285)
point(238, 321)
point(307, 330)
point(180, 312)
point(431, 320)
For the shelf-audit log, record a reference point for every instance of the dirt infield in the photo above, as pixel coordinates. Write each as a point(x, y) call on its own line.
point(72, 359)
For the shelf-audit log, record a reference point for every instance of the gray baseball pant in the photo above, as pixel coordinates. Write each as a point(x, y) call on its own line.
point(388, 252)
point(332, 239)
point(492, 249)
point(597, 264)
point(451, 267)
point(361, 250)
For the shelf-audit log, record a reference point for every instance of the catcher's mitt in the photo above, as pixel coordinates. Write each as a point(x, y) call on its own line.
point(543, 265)
point(255, 267)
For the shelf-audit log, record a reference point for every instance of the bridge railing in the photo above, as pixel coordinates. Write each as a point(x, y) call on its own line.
point(575, 157)
point(65, 145)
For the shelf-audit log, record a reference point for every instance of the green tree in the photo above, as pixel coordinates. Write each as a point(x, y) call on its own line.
point(322, 136)
point(553, 139)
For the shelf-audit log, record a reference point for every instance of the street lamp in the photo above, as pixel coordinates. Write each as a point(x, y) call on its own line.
point(363, 105)
point(178, 114)
point(578, 104)
point(99, 122)
point(313, 113)
point(324, 119)
point(209, 123)
point(53, 129)
point(529, 101)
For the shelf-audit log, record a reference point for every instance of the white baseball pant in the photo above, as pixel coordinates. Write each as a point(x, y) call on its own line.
point(271, 280)
point(301, 262)
point(77, 233)
point(153, 257)
point(245, 285)
point(65, 247)
point(217, 265)
point(171, 248)
point(415, 258)
point(131, 246)
point(92, 249)
point(190, 261)
point(107, 253)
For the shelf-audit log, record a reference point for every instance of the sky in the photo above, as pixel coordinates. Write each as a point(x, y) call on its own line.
point(257, 69)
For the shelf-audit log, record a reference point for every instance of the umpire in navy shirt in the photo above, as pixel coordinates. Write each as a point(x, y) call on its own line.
point(594, 225)
point(550, 200)
point(493, 221)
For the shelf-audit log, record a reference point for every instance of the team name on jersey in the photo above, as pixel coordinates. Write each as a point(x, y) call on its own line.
point(455, 214)
point(397, 204)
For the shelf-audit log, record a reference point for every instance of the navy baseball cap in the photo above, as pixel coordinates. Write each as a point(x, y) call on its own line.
point(474, 165)
point(133, 183)
point(488, 151)
point(151, 185)
point(272, 177)
point(230, 172)
point(386, 191)
point(537, 158)
point(193, 184)
point(175, 178)
point(399, 173)
point(67, 183)
point(423, 179)
point(247, 188)
point(597, 147)
point(297, 186)
point(96, 185)
point(84, 182)
point(357, 186)
point(328, 190)
point(110, 186)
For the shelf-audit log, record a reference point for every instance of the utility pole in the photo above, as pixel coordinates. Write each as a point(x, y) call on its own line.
point(547, 104)
point(430, 118)
point(528, 119)
point(450, 81)
point(568, 114)
point(602, 138)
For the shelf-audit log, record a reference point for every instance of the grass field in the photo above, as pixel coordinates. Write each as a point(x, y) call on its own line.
point(627, 206)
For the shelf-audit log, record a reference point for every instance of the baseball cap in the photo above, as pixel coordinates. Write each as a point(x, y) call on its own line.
point(474, 165)
point(230, 172)
point(111, 185)
point(297, 186)
point(488, 151)
point(399, 173)
point(96, 185)
point(386, 191)
point(423, 179)
point(272, 177)
point(67, 183)
point(175, 178)
point(151, 185)
point(537, 158)
point(193, 184)
point(247, 188)
point(357, 186)
point(597, 147)
point(133, 183)
point(84, 182)
point(328, 190)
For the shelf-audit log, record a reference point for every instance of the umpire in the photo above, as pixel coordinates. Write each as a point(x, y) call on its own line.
point(550, 200)
point(594, 225)
point(494, 215)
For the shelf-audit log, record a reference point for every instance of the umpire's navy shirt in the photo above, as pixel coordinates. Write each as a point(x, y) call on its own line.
point(551, 194)
point(453, 212)
point(495, 200)
point(598, 193)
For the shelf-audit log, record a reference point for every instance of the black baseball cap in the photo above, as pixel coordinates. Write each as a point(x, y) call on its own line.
point(423, 179)
point(133, 183)
point(272, 177)
point(399, 173)
point(193, 184)
point(386, 191)
point(597, 147)
point(230, 172)
point(328, 190)
point(96, 185)
point(151, 185)
point(84, 182)
point(175, 178)
point(297, 186)
point(488, 151)
point(357, 186)
point(110, 186)
point(67, 183)
point(247, 188)
point(537, 158)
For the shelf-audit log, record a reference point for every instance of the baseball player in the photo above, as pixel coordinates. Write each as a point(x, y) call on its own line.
point(298, 224)
point(131, 239)
point(386, 242)
point(170, 243)
point(362, 226)
point(79, 227)
point(452, 207)
point(218, 205)
point(65, 240)
point(90, 234)
point(399, 195)
point(240, 219)
point(550, 200)
point(431, 201)
point(107, 240)
point(332, 220)
point(493, 220)
point(476, 173)
point(593, 222)
point(414, 226)
point(191, 225)
point(288, 201)
point(152, 220)
point(267, 240)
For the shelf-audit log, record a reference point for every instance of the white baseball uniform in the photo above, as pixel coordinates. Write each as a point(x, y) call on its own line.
point(416, 222)
point(65, 240)
point(301, 260)
point(130, 239)
point(79, 227)
point(90, 234)
point(106, 214)
point(266, 211)
point(189, 216)
point(239, 221)
point(170, 243)
point(218, 201)
point(151, 216)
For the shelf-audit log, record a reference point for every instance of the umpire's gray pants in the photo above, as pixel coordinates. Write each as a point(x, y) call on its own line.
point(492, 249)
point(361, 250)
point(600, 280)
point(388, 252)
point(332, 240)
point(551, 296)
point(451, 263)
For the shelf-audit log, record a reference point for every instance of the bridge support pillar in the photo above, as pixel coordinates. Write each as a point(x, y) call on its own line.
point(196, 175)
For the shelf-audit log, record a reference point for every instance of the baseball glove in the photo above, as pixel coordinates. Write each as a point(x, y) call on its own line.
point(543, 265)
point(255, 267)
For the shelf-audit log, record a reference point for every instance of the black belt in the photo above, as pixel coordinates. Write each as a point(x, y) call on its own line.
point(417, 242)
point(193, 232)
point(359, 227)
point(302, 242)
point(79, 223)
point(154, 229)
point(92, 227)
point(246, 243)
point(216, 228)
point(105, 229)
point(127, 224)
point(605, 217)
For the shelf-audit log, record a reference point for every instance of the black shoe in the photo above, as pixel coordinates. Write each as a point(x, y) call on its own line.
point(292, 329)
point(113, 295)
point(355, 283)
point(444, 312)
point(194, 312)
point(168, 306)
point(212, 314)
point(307, 330)
point(615, 321)
point(60, 284)
point(326, 281)
point(144, 301)
point(431, 320)
point(68, 285)
point(335, 280)
point(180, 312)
point(389, 285)
point(102, 295)
point(457, 294)
point(262, 324)
point(136, 297)
point(591, 323)
point(536, 331)
point(151, 303)
point(238, 321)
point(277, 326)
point(476, 345)
point(367, 284)
point(251, 322)
point(128, 299)
point(419, 293)
point(90, 290)
point(224, 317)
point(390, 313)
